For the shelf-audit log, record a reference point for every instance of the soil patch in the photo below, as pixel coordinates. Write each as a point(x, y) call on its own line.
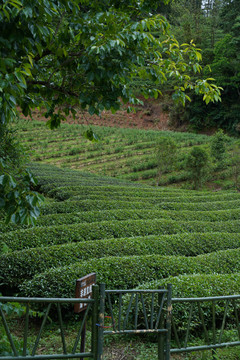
point(149, 116)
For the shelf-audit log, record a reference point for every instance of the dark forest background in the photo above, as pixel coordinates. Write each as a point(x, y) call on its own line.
point(214, 26)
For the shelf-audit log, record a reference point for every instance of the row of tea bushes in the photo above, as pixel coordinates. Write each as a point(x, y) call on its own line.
point(208, 205)
point(66, 183)
point(105, 222)
point(192, 286)
point(140, 191)
point(48, 175)
point(51, 178)
point(62, 193)
point(17, 266)
point(71, 206)
point(60, 234)
point(128, 272)
point(198, 285)
point(88, 205)
point(124, 214)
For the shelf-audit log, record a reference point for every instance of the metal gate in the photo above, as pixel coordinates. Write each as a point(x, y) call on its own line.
point(136, 312)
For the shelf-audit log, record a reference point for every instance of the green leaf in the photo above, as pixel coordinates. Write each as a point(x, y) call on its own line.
point(12, 182)
point(2, 203)
point(4, 179)
point(6, 13)
point(91, 110)
point(16, 3)
point(90, 135)
point(21, 79)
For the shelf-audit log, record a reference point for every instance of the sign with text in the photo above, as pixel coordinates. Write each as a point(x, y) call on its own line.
point(84, 290)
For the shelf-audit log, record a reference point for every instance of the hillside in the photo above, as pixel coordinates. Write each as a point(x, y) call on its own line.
point(127, 233)
point(133, 236)
point(128, 154)
point(152, 115)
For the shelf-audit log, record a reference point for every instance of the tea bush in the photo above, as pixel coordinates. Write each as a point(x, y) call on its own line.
point(61, 234)
point(124, 214)
point(192, 286)
point(130, 271)
point(17, 266)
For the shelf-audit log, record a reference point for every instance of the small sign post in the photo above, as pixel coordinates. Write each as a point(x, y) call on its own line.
point(84, 291)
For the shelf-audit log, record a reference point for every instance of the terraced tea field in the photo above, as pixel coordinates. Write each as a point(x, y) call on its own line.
point(129, 154)
point(130, 234)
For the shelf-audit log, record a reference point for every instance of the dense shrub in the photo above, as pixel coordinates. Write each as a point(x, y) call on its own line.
point(218, 148)
point(85, 190)
point(166, 150)
point(61, 234)
point(235, 164)
point(198, 166)
point(17, 266)
point(62, 194)
point(197, 285)
point(88, 205)
point(124, 214)
point(128, 272)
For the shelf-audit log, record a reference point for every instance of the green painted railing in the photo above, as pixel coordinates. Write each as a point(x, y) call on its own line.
point(212, 317)
point(131, 315)
point(32, 353)
point(134, 312)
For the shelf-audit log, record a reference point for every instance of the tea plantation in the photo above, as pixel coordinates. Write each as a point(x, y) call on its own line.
point(130, 234)
point(129, 154)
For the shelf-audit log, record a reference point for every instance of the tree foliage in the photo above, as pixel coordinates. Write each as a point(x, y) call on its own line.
point(17, 197)
point(220, 41)
point(166, 150)
point(235, 165)
point(218, 148)
point(58, 54)
point(198, 165)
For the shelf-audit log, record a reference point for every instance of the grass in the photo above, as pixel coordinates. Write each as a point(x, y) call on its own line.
point(117, 347)
point(123, 347)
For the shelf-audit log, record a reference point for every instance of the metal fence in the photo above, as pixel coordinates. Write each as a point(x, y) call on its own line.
point(213, 317)
point(52, 304)
point(177, 322)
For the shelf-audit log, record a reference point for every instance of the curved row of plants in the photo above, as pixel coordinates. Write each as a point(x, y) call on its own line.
point(126, 214)
point(17, 266)
point(129, 271)
point(60, 234)
point(130, 154)
point(129, 234)
point(64, 193)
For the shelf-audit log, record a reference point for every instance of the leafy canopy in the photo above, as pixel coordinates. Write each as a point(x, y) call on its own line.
point(59, 54)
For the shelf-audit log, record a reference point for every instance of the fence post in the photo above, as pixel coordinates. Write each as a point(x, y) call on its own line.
point(169, 320)
point(161, 336)
point(101, 322)
point(95, 296)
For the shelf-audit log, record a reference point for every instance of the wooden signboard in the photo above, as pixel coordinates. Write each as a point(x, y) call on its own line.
point(84, 290)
